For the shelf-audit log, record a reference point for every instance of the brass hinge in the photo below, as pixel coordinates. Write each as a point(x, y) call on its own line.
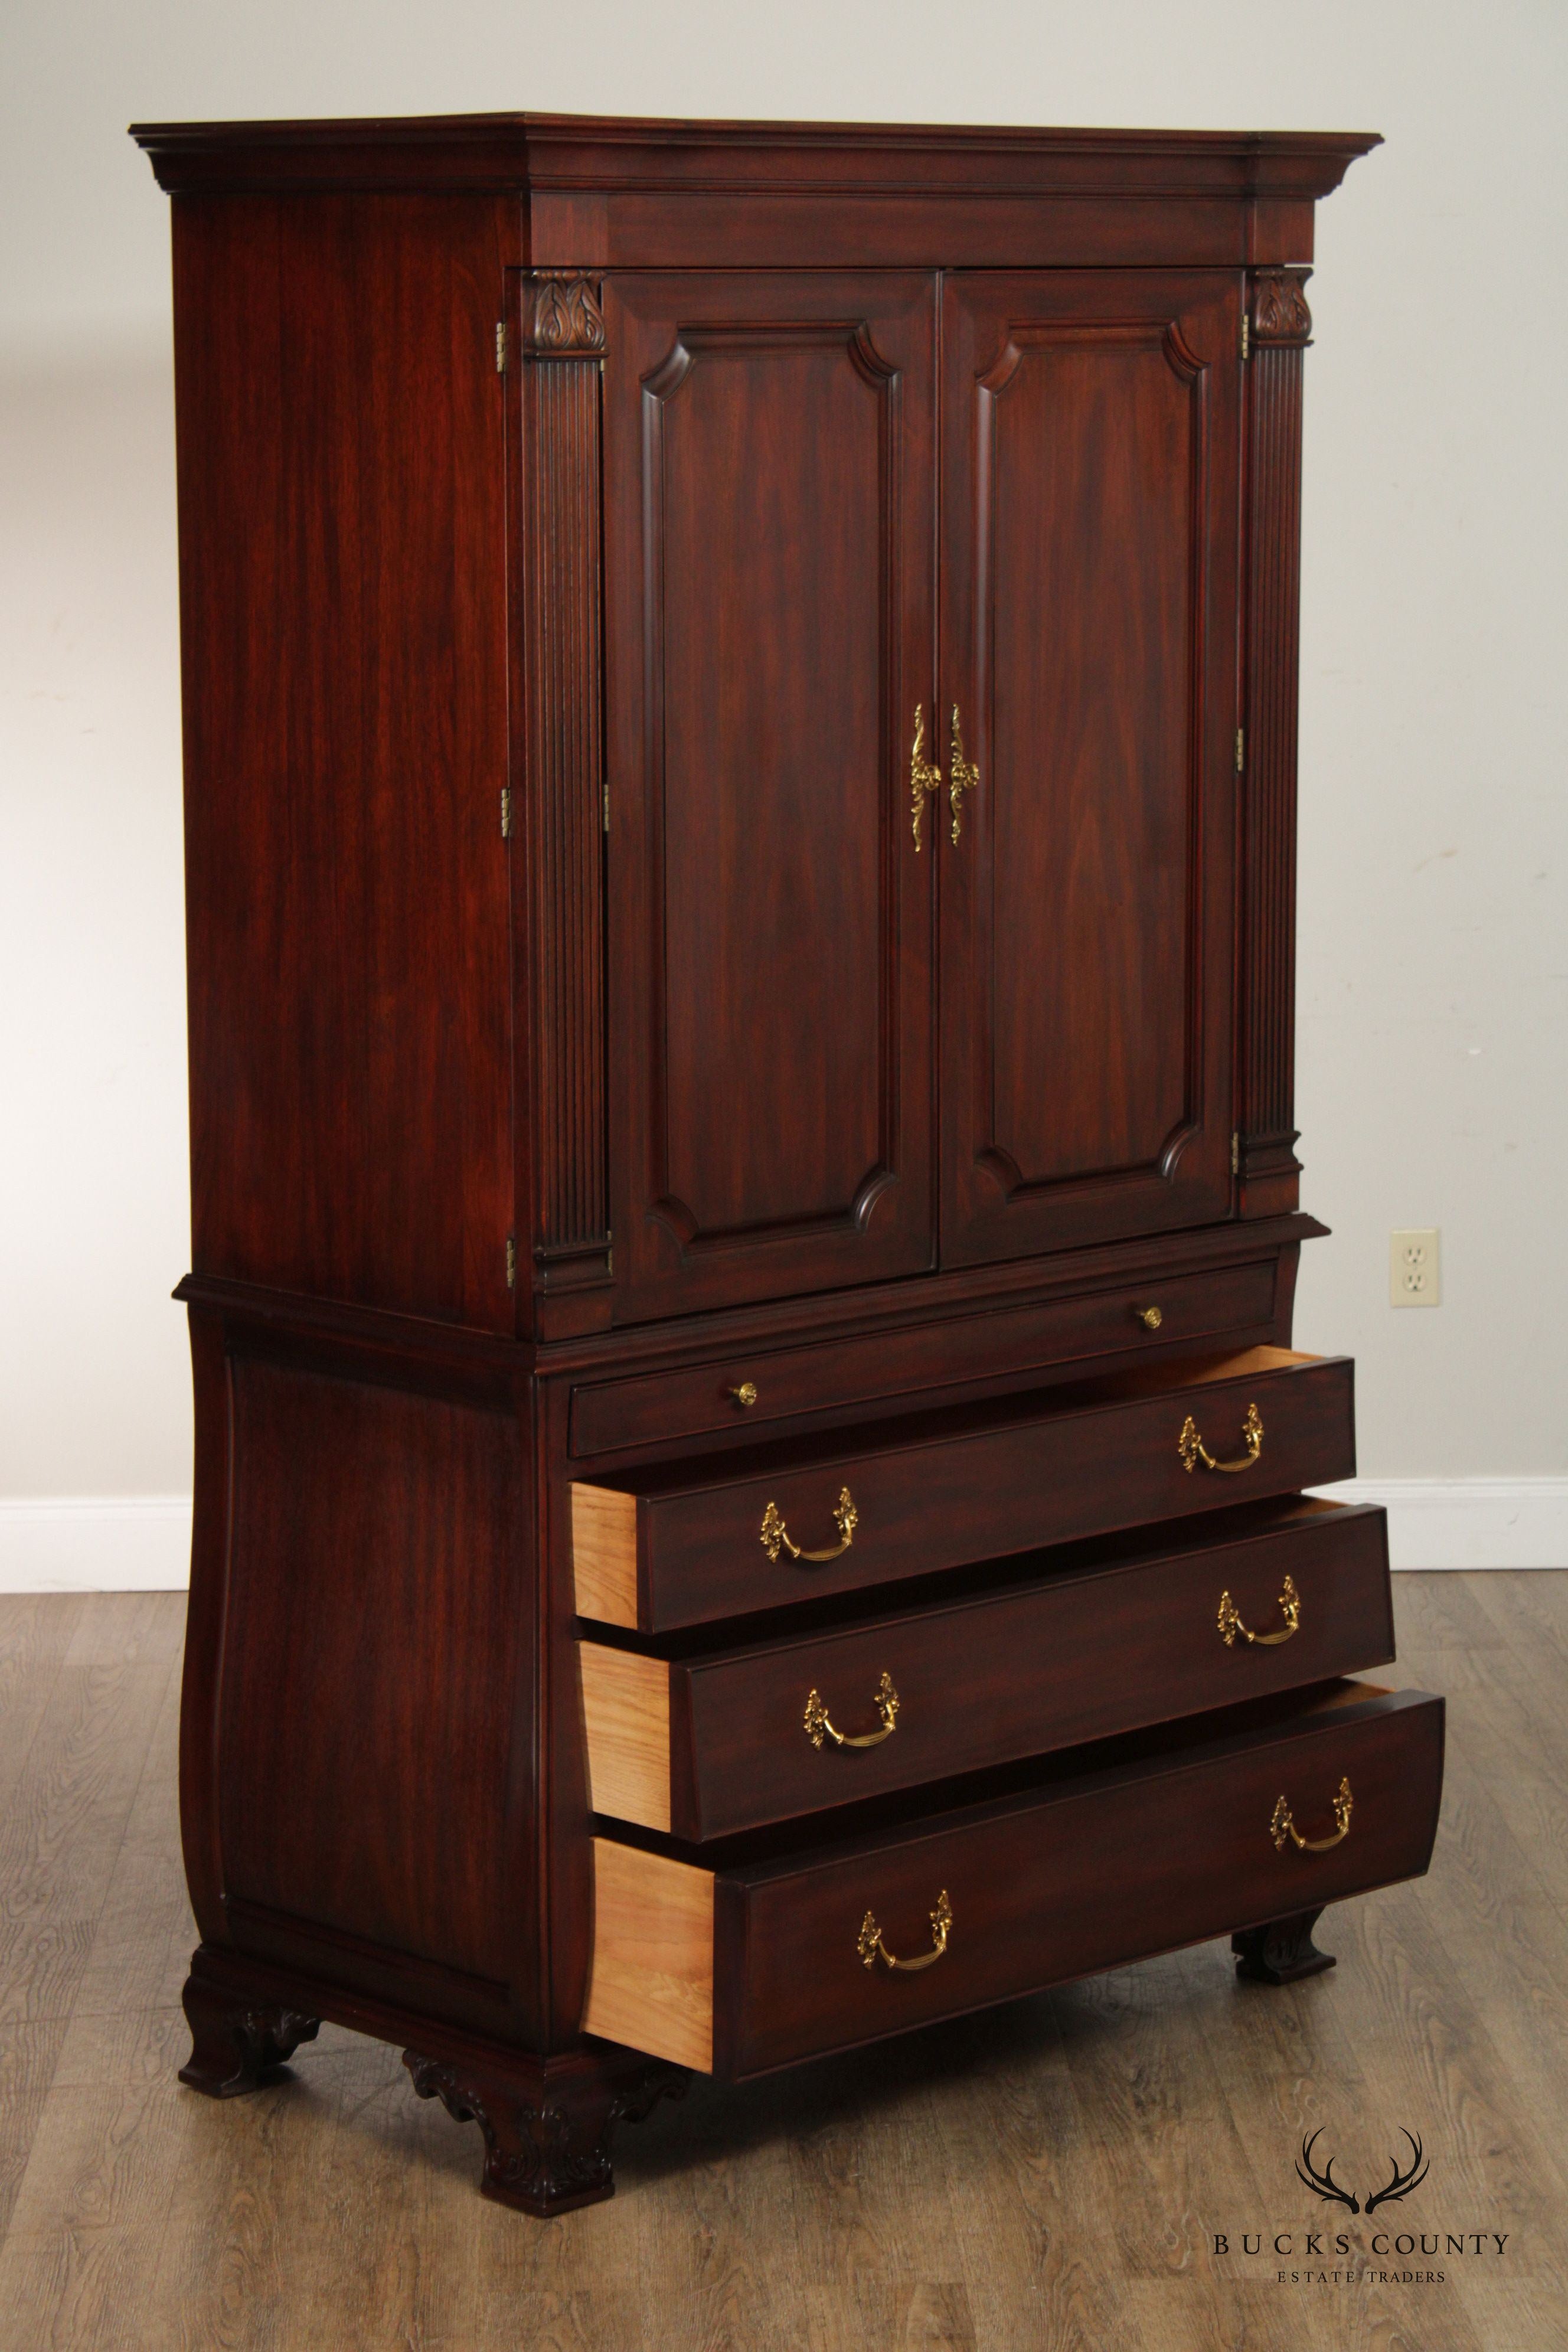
point(1240, 749)
point(500, 347)
point(1245, 337)
point(512, 1261)
point(1236, 1152)
point(506, 812)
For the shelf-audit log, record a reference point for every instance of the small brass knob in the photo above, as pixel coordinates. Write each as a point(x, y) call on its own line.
point(746, 1394)
point(1149, 1317)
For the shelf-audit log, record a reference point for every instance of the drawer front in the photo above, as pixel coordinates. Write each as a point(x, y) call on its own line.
point(758, 1967)
point(714, 1745)
point(960, 1488)
point(660, 1408)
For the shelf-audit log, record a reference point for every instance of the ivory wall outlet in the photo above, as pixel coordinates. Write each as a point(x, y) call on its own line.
point(1413, 1268)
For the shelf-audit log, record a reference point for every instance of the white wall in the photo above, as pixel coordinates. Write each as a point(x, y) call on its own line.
point(1434, 933)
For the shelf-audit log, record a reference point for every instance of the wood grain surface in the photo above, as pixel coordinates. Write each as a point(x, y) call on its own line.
point(1051, 2174)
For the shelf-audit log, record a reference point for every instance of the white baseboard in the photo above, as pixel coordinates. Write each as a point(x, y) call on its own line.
point(95, 1543)
point(1469, 1522)
point(142, 1543)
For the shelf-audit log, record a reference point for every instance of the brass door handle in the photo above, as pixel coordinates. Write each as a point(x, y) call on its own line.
point(871, 1948)
point(1282, 1827)
point(776, 1536)
point(1193, 1450)
point(923, 777)
point(1230, 1623)
point(964, 776)
point(818, 1728)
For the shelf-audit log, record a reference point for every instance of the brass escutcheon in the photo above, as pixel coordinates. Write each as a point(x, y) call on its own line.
point(1282, 1827)
point(923, 777)
point(1230, 1623)
point(885, 1699)
point(775, 1536)
point(871, 1948)
point(1193, 1450)
point(964, 776)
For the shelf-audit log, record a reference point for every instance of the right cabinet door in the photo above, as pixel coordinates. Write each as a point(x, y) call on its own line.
point(1089, 651)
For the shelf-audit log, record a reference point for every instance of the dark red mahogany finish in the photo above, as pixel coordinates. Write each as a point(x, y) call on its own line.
point(593, 1065)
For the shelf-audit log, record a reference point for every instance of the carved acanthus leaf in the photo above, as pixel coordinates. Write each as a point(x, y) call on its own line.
point(562, 318)
point(1279, 312)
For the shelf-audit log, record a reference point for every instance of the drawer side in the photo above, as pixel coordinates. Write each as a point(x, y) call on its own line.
point(625, 1714)
point(650, 1985)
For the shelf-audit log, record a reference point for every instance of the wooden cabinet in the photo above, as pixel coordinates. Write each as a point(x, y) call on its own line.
point(739, 712)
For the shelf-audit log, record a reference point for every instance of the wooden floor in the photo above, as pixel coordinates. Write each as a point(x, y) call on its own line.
point(1052, 2174)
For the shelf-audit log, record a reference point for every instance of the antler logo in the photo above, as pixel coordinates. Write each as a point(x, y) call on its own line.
point(1323, 2184)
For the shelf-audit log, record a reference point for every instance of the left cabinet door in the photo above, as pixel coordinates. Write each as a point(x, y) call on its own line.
point(770, 558)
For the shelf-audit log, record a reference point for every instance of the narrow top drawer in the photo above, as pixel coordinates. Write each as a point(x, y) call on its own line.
point(686, 1544)
point(1222, 1307)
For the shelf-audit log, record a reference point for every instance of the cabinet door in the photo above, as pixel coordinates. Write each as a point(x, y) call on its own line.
point(770, 556)
point(1090, 649)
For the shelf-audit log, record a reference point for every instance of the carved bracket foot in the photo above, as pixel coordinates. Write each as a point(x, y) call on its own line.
point(237, 2045)
point(1281, 1952)
point(548, 2129)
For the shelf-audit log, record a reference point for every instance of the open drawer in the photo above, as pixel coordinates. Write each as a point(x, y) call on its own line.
point(683, 1545)
point(1109, 1637)
point(756, 1965)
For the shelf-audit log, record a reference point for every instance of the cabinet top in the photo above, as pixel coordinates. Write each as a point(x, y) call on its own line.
point(519, 151)
point(603, 190)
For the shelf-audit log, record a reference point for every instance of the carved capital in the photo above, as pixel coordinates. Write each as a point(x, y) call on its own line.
point(561, 316)
point(1279, 312)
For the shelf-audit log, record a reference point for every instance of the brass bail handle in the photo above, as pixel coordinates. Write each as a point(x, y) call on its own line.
point(1282, 1827)
point(964, 776)
point(871, 1948)
point(775, 1536)
point(818, 1728)
point(1191, 1449)
point(1230, 1623)
point(924, 778)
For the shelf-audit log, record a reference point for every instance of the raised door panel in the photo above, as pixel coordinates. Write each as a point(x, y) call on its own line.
point(1090, 632)
point(770, 492)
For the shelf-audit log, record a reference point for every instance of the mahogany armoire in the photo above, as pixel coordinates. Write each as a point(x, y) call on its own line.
point(740, 714)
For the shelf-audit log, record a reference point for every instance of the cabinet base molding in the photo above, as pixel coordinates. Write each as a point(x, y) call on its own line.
point(1281, 1952)
point(548, 2121)
point(548, 2125)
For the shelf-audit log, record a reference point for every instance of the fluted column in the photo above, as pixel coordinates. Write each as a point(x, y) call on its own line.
point(1281, 327)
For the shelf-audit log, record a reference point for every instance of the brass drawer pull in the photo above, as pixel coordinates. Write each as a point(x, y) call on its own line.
point(1282, 1827)
point(818, 1726)
point(965, 777)
point(775, 1535)
point(871, 1948)
point(923, 777)
point(1230, 1623)
point(1151, 1318)
point(1193, 1450)
point(744, 1395)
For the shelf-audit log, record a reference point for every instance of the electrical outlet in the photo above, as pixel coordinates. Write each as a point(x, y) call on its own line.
point(1413, 1268)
